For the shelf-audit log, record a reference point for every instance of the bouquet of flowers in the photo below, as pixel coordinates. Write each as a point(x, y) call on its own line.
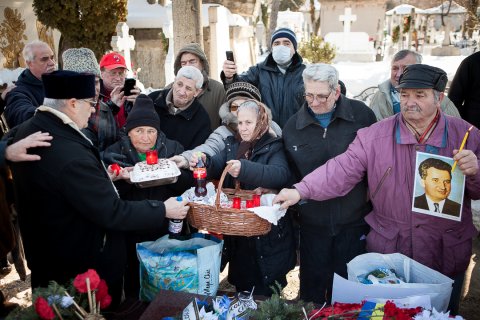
point(364, 310)
point(57, 302)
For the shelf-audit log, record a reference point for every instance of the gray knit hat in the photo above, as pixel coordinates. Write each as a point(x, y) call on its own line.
point(243, 89)
point(80, 60)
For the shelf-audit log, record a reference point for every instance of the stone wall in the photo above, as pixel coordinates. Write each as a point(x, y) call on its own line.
point(149, 55)
point(241, 7)
point(370, 16)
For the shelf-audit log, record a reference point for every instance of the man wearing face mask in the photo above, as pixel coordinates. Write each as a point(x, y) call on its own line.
point(278, 77)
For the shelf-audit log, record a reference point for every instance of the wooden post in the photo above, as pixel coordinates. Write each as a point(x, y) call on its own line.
point(187, 23)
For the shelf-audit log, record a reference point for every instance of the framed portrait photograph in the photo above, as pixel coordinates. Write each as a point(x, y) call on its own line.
point(438, 191)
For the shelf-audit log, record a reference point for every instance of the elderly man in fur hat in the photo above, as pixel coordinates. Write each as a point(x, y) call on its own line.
point(70, 214)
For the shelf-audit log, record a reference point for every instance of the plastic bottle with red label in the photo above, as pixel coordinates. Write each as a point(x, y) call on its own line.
point(200, 176)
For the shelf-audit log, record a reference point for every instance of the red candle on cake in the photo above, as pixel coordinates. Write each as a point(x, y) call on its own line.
point(256, 200)
point(151, 156)
point(236, 203)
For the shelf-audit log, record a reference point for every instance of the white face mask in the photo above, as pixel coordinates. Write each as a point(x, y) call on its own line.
point(281, 54)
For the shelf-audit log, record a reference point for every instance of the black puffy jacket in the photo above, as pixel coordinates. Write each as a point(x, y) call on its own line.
point(282, 93)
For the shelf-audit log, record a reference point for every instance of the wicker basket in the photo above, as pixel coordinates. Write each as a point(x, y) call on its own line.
point(228, 221)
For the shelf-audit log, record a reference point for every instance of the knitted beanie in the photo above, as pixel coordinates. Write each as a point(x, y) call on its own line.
point(143, 114)
point(81, 60)
point(285, 33)
point(243, 89)
point(193, 48)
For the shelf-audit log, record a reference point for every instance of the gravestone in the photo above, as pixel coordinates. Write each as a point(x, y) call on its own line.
point(446, 49)
point(123, 43)
point(351, 46)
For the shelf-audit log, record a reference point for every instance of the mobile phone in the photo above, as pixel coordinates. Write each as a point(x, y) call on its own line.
point(128, 86)
point(229, 55)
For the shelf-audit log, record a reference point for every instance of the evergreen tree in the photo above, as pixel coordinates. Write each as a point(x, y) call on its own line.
point(83, 23)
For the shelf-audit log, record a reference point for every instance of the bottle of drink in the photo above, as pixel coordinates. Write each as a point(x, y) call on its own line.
point(200, 176)
point(175, 226)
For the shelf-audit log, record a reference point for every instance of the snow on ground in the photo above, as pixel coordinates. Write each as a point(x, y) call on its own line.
point(358, 76)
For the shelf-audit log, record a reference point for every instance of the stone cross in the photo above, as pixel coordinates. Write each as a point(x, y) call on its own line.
point(123, 43)
point(347, 18)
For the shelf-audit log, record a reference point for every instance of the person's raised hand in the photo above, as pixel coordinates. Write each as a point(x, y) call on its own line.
point(194, 159)
point(175, 209)
point(467, 161)
point(18, 151)
point(180, 161)
point(117, 96)
point(135, 92)
point(235, 168)
point(229, 69)
point(287, 198)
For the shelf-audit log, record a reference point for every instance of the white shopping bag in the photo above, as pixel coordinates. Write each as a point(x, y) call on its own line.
point(420, 280)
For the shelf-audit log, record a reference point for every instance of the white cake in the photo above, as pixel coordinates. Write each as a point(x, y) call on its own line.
point(146, 175)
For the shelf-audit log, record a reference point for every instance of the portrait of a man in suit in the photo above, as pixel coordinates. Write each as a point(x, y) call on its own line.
point(436, 180)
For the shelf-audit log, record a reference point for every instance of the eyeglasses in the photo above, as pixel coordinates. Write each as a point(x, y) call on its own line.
point(93, 103)
point(234, 107)
point(310, 97)
point(116, 73)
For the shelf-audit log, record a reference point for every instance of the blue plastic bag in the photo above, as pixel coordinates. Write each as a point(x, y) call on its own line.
point(191, 265)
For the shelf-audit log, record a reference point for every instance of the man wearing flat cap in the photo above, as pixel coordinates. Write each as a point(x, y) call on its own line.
point(385, 153)
point(70, 214)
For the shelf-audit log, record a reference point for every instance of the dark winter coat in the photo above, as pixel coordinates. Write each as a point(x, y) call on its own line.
point(282, 93)
point(308, 145)
point(465, 88)
point(23, 100)
point(267, 167)
point(70, 215)
point(166, 148)
point(190, 127)
point(102, 128)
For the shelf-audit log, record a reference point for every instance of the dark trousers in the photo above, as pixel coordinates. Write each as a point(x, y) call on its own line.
point(454, 303)
point(322, 255)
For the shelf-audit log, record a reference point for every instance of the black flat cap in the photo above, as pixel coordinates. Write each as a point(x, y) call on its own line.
point(423, 76)
point(64, 84)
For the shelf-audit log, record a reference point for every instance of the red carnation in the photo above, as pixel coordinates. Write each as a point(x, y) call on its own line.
point(391, 311)
point(80, 282)
point(102, 290)
point(43, 310)
point(105, 302)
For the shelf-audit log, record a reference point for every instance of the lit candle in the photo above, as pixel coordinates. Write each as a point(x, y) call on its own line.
point(256, 200)
point(152, 156)
point(236, 203)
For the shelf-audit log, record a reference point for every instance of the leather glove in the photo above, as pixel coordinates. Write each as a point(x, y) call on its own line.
point(111, 157)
